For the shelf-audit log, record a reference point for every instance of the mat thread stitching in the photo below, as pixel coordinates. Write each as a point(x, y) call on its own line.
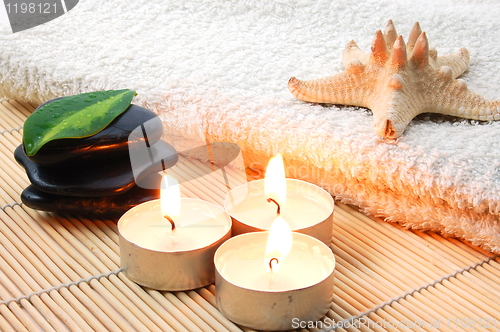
point(57, 288)
point(349, 321)
point(11, 205)
point(10, 130)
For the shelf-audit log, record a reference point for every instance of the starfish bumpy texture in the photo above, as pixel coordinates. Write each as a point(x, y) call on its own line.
point(398, 82)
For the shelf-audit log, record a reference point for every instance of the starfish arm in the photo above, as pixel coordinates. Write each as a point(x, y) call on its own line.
point(352, 54)
point(458, 62)
point(393, 110)
point(390, 123)
point(342, 88)
point(457, 100)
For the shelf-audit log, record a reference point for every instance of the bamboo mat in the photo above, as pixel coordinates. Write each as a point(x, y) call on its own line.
point(61, 272)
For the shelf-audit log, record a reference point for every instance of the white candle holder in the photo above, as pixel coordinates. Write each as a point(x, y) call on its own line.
point(151, 257)
point(251, 295)
point(309, 209)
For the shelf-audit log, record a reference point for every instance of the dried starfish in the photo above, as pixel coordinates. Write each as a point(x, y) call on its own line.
point(398, 82)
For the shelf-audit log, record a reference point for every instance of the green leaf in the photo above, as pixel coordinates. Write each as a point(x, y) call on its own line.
point(76, 116)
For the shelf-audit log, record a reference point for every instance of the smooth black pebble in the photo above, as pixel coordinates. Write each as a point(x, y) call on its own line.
point(112, 141)
point(108, 206)
point(91, 178)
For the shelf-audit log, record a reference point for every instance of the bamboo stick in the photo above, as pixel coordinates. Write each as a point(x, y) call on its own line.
point(457, 256)
point(11, 114)
point(12, 168)
point(234, 176)
point(355, 267)
point(71, 310)
point(348, 311)
point(20, 111)
point(24, 107)
point(469, 298)
point(122, 326)
point(95, 309)
point(103, 231)
point(129, 300)
point(364, 284)
point(104, 306)
point(186, 311)
point(439, 302)
point(82, 312)
point(407, 301)
point(12, 319)
point(80, 297)
point(14, 309)
point(81, 247)
point(112, 233)
point(147, 295)
point(204, 180)
point(10, 188)
point(401, 259)
point(6, 327)
point(66, 246)
point(10, 141)
point(29, 249)
point(192, 188)
point(386, 240)
point(18, 289)
point(109, 247)
point(115, 301)
point(417, 308)
point(207, 296)
point(186, 324)
point(363, 303)
point(139, 302)
point(15, 264)
point(395, 276)
point(216, 314)
point(9, 120)
point(83, 237)
point(457, 251)
point(480, 283)
point(473, 253)
point(207, 318)
point(237, 175)
point(406, 238)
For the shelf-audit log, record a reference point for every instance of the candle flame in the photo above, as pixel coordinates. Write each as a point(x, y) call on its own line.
point(170, 197)
point(279, 244)
point(275, 180)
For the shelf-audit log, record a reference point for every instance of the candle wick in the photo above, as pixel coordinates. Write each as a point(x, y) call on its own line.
point(171, 222)
point(269, 200)
point(274, 259)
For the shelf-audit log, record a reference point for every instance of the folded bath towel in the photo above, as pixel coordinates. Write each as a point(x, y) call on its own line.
point(219, 70)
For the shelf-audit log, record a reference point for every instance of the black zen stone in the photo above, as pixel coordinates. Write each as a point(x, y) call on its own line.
point(107, 206)
point(91, 178)
point(111, 141)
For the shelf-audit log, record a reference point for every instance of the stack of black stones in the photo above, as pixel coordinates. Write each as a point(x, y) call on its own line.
point(93, 176)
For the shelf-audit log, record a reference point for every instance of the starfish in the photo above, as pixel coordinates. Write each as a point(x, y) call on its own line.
point(398, 82)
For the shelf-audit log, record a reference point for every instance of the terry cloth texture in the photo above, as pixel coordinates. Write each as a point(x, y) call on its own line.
point(219, 70)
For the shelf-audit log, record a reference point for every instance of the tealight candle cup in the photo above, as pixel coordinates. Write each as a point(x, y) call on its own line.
point(153, 258)
point(250, 295)
point(308, 209)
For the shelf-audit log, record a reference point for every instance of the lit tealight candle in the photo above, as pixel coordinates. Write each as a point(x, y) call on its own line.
point(169, 244)
point(264, 280)
point(307, 208)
